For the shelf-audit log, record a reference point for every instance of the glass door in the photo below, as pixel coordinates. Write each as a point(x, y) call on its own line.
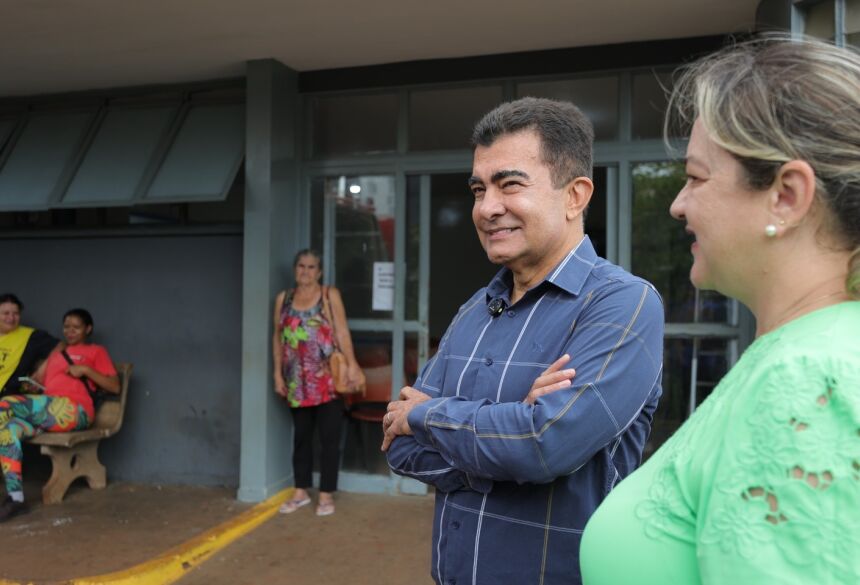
point(703, 328)
point(354, 225)
point(445, 261)
point(404, 265)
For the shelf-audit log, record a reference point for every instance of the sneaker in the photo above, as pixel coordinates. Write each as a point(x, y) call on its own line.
point(10, 508)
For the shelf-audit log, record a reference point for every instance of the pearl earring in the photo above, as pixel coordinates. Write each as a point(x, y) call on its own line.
point(770, 230)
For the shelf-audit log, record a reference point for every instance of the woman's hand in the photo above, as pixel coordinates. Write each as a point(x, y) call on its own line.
point(280, 386)
point(103, 381)
point(551, 380)
point(353, 375)
point(79, 371)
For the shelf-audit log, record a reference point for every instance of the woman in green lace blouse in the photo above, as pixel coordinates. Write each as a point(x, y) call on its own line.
point(762, 483)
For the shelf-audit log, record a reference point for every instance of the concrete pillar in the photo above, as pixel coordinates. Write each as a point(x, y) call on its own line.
point(276, 220)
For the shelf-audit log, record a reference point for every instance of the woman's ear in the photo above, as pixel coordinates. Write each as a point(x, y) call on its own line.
point(89, 330)
point(578, 192)
point(793, 192)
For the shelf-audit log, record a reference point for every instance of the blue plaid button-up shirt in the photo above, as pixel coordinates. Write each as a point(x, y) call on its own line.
point(516, 483)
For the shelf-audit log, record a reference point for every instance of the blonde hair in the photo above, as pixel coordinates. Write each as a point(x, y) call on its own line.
point(774, 99)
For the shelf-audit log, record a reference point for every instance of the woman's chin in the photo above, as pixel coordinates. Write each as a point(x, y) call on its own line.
point(699, 279)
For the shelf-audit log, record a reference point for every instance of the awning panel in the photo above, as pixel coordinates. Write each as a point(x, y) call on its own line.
point(40, 158)
point(117, 160)
point(204, 157)
point(6, 127)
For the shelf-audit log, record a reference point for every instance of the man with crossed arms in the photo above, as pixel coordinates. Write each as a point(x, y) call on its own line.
point(519, 450)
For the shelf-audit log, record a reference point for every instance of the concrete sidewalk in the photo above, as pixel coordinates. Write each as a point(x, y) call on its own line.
point(371, 539)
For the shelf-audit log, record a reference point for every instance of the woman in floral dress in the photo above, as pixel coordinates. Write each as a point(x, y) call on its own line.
point(303, 340)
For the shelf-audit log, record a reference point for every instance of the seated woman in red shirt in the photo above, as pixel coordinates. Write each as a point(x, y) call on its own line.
point(72, 377)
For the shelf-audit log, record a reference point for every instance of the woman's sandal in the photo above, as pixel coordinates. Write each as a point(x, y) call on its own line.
point(293, 505)
point(325, 508)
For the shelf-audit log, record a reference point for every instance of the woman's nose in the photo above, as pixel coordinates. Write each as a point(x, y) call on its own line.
point(676, 210)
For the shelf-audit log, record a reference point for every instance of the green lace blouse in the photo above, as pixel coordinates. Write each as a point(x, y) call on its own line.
point(761, 484)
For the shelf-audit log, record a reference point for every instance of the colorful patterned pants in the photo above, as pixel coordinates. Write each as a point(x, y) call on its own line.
point(28, 415)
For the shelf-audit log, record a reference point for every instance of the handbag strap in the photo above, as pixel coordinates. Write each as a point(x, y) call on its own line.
point(83, 379)
point(328, 315)
point(287, 304)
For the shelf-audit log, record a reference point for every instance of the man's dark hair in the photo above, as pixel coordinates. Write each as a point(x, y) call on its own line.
point(566, 135)
point(10, 298)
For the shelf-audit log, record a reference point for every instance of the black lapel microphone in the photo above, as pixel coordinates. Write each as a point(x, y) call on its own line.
point(496, 307)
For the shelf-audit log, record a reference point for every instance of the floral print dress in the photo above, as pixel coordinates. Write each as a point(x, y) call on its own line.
point(307, 342)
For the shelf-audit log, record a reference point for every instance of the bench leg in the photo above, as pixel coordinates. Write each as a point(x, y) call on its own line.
point(70, 463)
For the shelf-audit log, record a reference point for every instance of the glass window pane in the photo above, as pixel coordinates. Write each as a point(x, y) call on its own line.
point(820, 20)
point(596, 97)
point(413, 243)
point(119, 155)
point(318, 214)
point(364, 435)
point(39, 158)
point(364, 236)
point(443, 118)
point(205, 155)
point(410, 362)
point(354, 124)
point(710, 360)
point(852, 23)
point(595, 216)
point(458, 262)
point(661, 248)
point(649, 103)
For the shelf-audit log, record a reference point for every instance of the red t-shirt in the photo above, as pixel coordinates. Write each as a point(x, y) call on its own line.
point(59, 383)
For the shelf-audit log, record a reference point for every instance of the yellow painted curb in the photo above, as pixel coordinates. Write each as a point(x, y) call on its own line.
point(176, 562)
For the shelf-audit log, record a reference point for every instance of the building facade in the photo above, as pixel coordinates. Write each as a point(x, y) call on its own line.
point(173, 211)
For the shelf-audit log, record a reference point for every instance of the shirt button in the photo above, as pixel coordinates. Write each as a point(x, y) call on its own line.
point(452, 582)
point(489, 361)
point(455, 525)
point(511, 313)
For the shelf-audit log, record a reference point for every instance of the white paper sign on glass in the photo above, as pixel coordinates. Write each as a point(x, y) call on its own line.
point(383, 286)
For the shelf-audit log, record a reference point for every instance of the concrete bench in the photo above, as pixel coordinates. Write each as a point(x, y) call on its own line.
point(75, 454)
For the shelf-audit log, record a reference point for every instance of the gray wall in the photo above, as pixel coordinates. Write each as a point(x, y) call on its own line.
point(172, 306)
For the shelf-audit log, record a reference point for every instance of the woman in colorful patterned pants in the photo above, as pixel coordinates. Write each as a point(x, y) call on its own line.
point(71, 377)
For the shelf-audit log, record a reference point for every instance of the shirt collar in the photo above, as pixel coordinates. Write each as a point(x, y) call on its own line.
point(569, 275)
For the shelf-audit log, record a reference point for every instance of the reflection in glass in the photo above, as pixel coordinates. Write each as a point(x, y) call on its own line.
point(353, 124)
point(364, 432)
point(649, 103)
point(411, 367)
point(443, 118)
point(363, 208)
point(661, 248)
point(596, 97)
point(820, 20)
point(852, 23)
point(458, 263)
point(413, 241)
point(595, 215)
point(691, 369)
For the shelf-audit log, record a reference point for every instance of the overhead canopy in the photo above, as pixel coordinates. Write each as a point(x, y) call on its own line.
point(120, 155)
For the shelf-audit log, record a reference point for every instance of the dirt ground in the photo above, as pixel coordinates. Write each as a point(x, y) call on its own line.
point(371, 539)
